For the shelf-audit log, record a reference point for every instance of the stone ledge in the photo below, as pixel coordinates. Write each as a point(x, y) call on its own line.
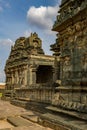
point(62, 122)
point(32, 118)
point(79, 115)
point(18, 121)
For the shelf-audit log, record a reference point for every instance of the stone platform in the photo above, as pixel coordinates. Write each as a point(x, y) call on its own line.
point(54, 117)
point(14, 118)
point(62, 122)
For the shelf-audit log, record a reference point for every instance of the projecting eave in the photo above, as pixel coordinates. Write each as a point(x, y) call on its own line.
point(60, 26)
point(69, 21)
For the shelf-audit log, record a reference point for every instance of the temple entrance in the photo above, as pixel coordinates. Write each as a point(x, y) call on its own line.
point(44, 74)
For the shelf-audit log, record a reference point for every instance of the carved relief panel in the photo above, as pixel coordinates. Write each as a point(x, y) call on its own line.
point(67, 68)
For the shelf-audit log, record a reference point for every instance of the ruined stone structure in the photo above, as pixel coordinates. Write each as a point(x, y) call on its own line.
point(61, 79)
point(71, 48)
point(29, 72)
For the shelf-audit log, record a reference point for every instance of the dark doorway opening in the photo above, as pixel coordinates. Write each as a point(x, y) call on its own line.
point(44, 74)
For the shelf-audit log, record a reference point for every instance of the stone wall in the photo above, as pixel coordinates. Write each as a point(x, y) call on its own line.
point(71, 42)
point(44, 95)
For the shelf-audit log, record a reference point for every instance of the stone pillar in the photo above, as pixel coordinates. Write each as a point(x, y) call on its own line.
point(15, 80)
point(53, 70)
point(25, 77)
point(54, 74)
point(16, 77)
point(19, 73)
point(28, 76)
point(12, 77)
point(33, 75)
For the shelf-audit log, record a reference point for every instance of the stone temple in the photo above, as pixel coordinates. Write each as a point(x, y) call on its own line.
point(71, 43)
point(59, 80)
point(29, 72)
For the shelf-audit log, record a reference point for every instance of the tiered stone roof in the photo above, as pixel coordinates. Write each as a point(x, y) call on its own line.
point(24, 47)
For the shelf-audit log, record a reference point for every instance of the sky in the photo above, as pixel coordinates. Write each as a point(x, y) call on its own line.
point(21, 17)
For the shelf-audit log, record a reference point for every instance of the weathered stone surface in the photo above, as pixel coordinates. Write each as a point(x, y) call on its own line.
point(30, 74)
point(12, 113)
point(18, 121)
point(72, 44)
point(62, 121)
point(6, 109)
point(35, 74)
point(4, 125)
point(32, 118)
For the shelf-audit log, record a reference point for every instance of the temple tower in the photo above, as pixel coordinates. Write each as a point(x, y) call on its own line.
point(71, 47)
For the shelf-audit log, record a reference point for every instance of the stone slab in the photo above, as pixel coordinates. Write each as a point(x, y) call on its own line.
point(70, 113)
point(31, 128)
point(7, 109)
point(36, 127)
point(32, 118)
point(69, 123)
point(19, 121)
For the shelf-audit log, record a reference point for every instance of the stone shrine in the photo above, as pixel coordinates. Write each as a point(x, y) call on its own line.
point(71, 48)
point(29, 72)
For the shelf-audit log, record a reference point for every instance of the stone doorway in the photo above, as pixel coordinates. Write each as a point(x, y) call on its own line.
point(44, 74)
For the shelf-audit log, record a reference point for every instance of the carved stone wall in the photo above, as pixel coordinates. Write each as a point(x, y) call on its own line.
point(72, 41)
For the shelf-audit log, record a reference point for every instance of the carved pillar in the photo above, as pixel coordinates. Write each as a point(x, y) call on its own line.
point(19, 75)
point(30, 75)
point(12, 77)
point(33, 75)
point(16, 77)
point(54, 74)
point(25, 76)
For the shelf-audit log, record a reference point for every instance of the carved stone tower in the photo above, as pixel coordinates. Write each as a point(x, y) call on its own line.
point(71, 45)
point(29, 72)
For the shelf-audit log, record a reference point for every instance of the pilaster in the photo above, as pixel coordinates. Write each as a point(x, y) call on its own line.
point(32, 75)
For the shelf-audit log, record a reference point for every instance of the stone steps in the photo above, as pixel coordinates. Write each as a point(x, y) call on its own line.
point(79, 115)
point(35, 106)
point(61, 122)
point(19, 121)
point(26, 122)
point(32, 118)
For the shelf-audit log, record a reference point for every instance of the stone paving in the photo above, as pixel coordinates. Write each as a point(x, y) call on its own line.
point(6, 110)
point(11, 118)
point(5, 124)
